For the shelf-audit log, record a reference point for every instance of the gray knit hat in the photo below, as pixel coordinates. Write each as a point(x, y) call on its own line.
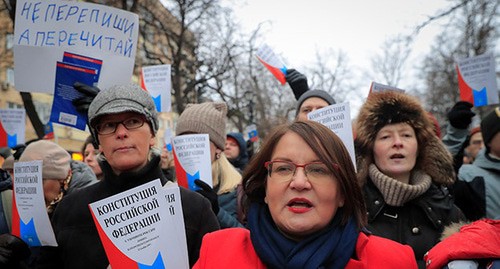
point(55, 159)
point(490, 126)
point(206, 118)
point(123, 98)
point(314, 93)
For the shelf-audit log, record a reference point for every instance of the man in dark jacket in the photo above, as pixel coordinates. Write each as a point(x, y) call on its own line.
point(124, 121)
point(236, 150)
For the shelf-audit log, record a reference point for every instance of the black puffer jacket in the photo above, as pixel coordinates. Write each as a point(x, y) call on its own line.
point(419, 223)
point(76, 234)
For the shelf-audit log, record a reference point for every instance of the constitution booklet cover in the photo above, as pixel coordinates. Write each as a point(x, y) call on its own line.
point(192, 159)
point(30, 220)
point(138, 228)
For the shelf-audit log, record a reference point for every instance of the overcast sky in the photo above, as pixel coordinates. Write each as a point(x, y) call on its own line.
point(298, 28)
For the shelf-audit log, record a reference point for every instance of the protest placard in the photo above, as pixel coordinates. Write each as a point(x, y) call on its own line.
point(156, 80)
point(178, 229)
point(477, 81)
point(30, 220)
point(192, 159)
point(45, 30)
point(272, 62)
point(167, 139)
point(63, 110)
point(252, 133)
point(337, 117)
point(138, 229)
point(377, 87)
point(12, 127)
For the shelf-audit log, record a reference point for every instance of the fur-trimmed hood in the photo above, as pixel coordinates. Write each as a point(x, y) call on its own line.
point(389, 107)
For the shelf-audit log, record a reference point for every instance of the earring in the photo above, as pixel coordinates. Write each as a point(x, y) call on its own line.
point(217, 156)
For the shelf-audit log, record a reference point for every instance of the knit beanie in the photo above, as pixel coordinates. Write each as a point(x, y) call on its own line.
point(314, 93)
point(391, 107)
point(55, 159)
point(205, 118)
point(490, 126)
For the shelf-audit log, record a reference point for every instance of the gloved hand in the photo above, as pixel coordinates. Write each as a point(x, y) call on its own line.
point(89, 92)
point(297, 81)
point(460, 115)
point(18, 150)
point(209, 193)
point(13, 250)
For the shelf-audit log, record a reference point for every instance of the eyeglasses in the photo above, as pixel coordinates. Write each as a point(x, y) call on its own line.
point(285, 170)
point(109, 127)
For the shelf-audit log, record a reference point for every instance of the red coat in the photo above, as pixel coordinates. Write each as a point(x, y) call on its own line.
point(478, 240)
point(232, 248)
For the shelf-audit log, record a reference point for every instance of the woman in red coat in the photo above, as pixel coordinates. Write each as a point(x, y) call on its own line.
point(304, 210)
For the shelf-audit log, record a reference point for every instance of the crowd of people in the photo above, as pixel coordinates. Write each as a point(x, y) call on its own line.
point(297, 202)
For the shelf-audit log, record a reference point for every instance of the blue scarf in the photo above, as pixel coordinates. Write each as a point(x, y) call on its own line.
point(330, 248)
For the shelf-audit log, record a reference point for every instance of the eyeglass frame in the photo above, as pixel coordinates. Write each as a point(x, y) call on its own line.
point(143, 120)
point(266, 165)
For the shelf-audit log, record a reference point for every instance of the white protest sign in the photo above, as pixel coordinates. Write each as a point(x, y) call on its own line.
point(272, 62)
point(167, 139)
point(252, 133)
point(157, 81)
point(13, 122)
point(377, 87)
point(44, 30)
point(337, 117)
point(192, 159)
point(30, 220)
point(178, 230)
point(136, 228)
point(477, 80)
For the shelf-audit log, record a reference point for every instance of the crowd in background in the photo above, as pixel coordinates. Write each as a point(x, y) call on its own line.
point(412, 200)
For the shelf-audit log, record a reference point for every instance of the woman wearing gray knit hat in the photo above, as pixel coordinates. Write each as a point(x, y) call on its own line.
point(210, 118)
point(404, 170)
point(124, 122)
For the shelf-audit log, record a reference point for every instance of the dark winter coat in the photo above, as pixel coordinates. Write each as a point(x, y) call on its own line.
point(477, 190)
point(83, 176)
point(228, 213)
point(5, 194)
point(419, 223)
point(76, 234)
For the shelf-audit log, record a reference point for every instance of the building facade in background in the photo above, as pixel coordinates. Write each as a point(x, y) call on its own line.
point(153, 48)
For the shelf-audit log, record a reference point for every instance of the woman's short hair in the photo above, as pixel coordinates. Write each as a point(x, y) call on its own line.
point(329, 149)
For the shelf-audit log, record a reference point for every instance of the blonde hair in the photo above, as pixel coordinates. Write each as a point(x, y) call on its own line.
point(224, 175)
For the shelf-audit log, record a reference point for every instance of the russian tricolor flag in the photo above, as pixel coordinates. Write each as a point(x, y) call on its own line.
point(477, 80)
